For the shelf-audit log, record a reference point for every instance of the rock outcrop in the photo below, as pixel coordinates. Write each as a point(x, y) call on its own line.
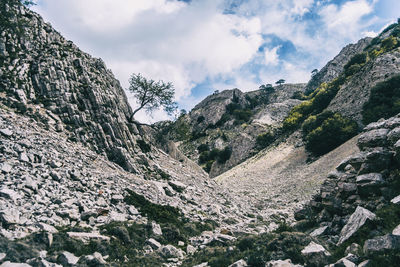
point(49, 78)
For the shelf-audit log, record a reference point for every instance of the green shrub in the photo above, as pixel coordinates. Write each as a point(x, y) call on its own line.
point(352, 69)
point(224, 155)
point(200, 119)
point(265, 139)
point(158, 213)
point(243, 114)
point(202, 148)
point(384, 101)
point(327, 131)
point(389, 43)
point(231, 107)
point(356, 59)
point(207, 167)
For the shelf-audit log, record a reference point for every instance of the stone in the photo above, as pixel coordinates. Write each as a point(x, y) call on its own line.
point(177, 186)
point(190, 249)
point(2, 256)
point(239, 263)
point(86, 237)
point(365, 263)
point(154, 244)
point(23, 157)
point(318, 231)
point(169, 251)
point(394, 135)
point(96, 259)
point(47, 228)
point(117, 198)
point(67, 258)
point(5, 167)
point(6, 132)
point(380, 244)
point(373, 138)
point(14, 264)
point(156, 228)
point(396, 200)
point(344, 263)
point(281, 263)
point(396, 230)
point(10, 194)
point(315, 254)
point(55, 164)
point(370, 179)
point(354, 249)
point(203, 264)
point(356, 220)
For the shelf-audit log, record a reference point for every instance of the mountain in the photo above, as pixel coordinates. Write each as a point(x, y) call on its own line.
point(222, 130)
point(302, 174)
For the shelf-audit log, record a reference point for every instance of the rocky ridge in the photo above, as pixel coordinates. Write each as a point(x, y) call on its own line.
point(215, 122)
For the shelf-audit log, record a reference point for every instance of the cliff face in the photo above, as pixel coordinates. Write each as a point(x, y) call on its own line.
point(334, 67)
point(47, 77)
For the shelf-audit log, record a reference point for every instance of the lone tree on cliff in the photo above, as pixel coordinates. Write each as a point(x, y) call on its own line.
point(281, 81)
point(151, 95)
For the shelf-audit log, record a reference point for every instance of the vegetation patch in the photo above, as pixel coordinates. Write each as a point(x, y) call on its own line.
point(384, 101)
point(326, 131)
point(144, 146)
point(207, 157)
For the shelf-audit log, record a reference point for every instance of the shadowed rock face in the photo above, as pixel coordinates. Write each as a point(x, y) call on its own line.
point(48, 77)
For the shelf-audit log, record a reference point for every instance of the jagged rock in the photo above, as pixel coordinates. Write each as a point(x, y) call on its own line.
point(14, 264)
point(6, 132)
point(356, 220)
point(5, 167)
point(281, 263)
point(10, 194)
point(394, 135)
point(354, 249)
point(315, 254)
point(344, 262)
point(169, 251)
point(239, 263)
point(86, 237)
point(373, 138)
point(396, 230)
point(47, 227)
point(156, 228)
point(67, 259)
point(365, 263)
point(178, 186)
point(154, 244)
point(382, 243)
point(396, 200)
point(190, 249)
point(318, 231)
point(96, 259)
point(370, 179)
point(23, 157)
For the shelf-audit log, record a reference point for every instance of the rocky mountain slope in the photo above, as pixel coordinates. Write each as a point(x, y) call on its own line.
point(230, 121)
point(81, 185)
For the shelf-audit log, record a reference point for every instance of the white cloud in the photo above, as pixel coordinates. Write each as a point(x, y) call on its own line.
point(271, 56)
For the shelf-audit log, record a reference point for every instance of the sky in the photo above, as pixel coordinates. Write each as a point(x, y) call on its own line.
point(206, 45)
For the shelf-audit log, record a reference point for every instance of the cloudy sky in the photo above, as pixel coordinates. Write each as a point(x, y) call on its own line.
point(206, 45)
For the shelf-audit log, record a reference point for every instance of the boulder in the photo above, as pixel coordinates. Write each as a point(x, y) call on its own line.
point(154, 244)
point(394, 135)
point(281, 263)
point(396, 200)
point(10, 216)
point(315, 254)
point(239, 263)
point(14, 264)
point(318, 231)
point(86, 237)
point(169, 251)
point(177, 186)
point(382, 243)
point(356, 220)
point(370, 179)
point(396, 230)
point(156, 228)
point(6, 132)
point(373, 138)
point(67, 259)
point(5, 167)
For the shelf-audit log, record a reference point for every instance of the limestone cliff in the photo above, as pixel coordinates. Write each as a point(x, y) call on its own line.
point(50, 78)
